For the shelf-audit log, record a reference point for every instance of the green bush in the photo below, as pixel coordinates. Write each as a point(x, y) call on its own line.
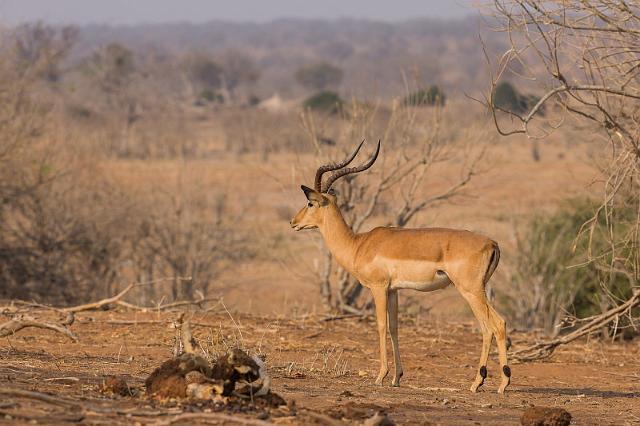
point(506, 97)
point(326, 101)
point(254, 100)
point(425, 97)
point(212, 96)
point(556, 276)
point(320, 76)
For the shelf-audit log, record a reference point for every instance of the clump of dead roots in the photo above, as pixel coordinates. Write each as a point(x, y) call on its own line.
point(545, 416)
point(190, 375)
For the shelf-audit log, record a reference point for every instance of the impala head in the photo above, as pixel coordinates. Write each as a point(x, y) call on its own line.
point(321, 198)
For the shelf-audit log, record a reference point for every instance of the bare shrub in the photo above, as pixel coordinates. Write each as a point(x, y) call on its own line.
point(114, 72)
point(42, 250)
point(583, 56)
point(185, 234)
point(70, 233)
point(241, 137)
point(238, 70)
point(39, 50)
point(395, 192)
point(60, 242)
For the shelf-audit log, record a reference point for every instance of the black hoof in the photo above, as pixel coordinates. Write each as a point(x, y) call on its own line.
point(506, 370)
point(483, 372)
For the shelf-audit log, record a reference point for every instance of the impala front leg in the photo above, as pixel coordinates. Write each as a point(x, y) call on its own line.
point(380, 298)
point(393, 329)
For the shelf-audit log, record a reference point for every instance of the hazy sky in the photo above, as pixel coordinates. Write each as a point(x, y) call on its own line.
point(136, 11)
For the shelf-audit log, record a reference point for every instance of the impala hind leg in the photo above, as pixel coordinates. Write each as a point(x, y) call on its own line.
point(478, 304)
point(393, 329)
point(499, 328)
point(380, 298)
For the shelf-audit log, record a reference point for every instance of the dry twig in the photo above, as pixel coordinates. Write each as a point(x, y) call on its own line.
point(117, 299)
point(43, 397)
point(341, 317)
point(168, 321)
point(226, 419)
point(186, 337)
point(22, 321)
point(545, 349)
point(21, 318)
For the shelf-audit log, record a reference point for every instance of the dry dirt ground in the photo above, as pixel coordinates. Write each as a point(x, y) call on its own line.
point(323, 369)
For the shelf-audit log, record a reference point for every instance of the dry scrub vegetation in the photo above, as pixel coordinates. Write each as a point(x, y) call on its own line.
point(104, 182)
point(162, 168)
point(120, 166)
point(583, 57)
point(71, 231)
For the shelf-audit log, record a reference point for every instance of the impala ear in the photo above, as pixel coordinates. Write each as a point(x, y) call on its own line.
point(312, 194)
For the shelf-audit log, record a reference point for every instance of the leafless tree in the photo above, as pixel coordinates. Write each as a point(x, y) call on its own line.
point(203, 75)
point(55, 240)
point(237, 69)
point(114, 70)
point(584, 56)
point(40, 49)
point(185, 233)
point(397, 190)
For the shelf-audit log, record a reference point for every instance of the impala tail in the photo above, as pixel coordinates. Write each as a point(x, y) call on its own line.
point(493, 262)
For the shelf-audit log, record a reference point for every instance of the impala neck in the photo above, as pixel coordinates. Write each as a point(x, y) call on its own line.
point(338, 237)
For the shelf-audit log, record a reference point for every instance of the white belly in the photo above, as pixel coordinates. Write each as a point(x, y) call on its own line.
point(440, 281)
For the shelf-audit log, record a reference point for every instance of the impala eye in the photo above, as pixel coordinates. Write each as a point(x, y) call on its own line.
point(309, 205)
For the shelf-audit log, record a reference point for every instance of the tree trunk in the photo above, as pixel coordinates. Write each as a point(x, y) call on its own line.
point(325, 283)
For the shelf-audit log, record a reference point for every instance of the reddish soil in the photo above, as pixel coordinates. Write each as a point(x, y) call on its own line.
point(324, 370)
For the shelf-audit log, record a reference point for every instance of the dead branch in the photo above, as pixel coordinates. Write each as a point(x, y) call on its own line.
point(21, 321)
point(169, 306)
point(186, 337)
point(142, 322)
point(21, 318)
point(583, 56)
point(117, 299)
point(341, 317)
point(69, 406)
point(99, 304)
point(546, 349)
point(49, 418)
point(12, 307)
point(226, 419)
point(50, 399)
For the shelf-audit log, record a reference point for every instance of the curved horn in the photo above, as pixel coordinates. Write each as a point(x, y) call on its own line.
point(330, 167)
point(334, 177)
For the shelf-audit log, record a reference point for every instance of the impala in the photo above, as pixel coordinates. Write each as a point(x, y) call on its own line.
point(388, 259)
